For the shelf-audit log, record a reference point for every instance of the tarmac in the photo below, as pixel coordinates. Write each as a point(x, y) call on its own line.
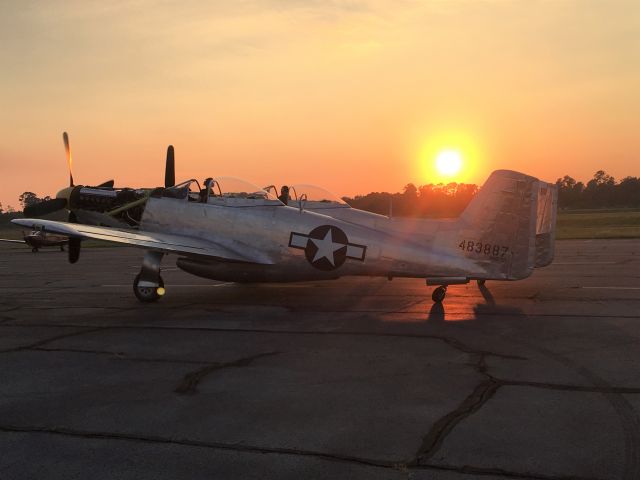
point(359, 378)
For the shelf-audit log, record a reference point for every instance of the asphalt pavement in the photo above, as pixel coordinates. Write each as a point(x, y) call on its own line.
point(359, 378)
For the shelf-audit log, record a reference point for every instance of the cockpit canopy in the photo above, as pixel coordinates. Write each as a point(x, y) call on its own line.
point(315, 197)
point(221, 191)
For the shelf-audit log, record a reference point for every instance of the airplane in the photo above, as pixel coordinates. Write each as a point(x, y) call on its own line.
point(231, 230)
point(38, 239)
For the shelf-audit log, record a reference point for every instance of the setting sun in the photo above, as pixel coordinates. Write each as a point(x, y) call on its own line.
point(448, 162)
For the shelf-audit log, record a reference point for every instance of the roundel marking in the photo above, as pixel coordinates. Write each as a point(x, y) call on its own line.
point(327, 247)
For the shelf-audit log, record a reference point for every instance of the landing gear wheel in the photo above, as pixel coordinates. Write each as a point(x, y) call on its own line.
point(34, 250)
point(62, 248)
point(147, 294)
point(481, 282)
point(439, 294)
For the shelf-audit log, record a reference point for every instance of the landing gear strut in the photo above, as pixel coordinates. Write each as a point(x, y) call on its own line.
point(148, 285)
point(439, 294)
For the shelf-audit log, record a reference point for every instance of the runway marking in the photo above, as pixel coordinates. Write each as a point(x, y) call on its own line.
point(585, 263)
point(127, 285)
point(614, 288)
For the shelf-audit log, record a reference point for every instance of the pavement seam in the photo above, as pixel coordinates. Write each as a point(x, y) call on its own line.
point(244, 448)
point(452, 342)
point(499, 472)
point(198, 443)
point(122, 356)
point(39, 343)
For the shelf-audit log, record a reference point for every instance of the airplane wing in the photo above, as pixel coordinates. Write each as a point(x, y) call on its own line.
point(11, 241)
point(164, 242)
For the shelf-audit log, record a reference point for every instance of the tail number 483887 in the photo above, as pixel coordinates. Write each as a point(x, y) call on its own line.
point(483, 248)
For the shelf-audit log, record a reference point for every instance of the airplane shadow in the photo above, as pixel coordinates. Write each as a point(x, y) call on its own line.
point(481, 310)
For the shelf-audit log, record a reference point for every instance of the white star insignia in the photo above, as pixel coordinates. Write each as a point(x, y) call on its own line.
point(326, 247)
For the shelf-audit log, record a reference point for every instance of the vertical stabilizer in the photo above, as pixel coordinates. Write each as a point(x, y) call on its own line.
point(499, 225)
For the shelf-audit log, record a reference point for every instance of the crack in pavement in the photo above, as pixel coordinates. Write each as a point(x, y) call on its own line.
point(44, 341)
point(481, 394)
point(245, 448)
point(432, 441)
point(190, 382)
point(239, 447)
point(499, 472)
point(452, 342)
point(569, 387)
point(122, 356)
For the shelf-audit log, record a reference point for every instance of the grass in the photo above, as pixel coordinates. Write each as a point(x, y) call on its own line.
point(598, 224)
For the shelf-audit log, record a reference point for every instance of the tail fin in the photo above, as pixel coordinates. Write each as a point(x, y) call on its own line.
point(500, 224)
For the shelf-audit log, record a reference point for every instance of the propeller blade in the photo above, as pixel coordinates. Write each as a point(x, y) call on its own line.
point(43, 208)
point(170, 169)
point(67, 150)
point(107, 184)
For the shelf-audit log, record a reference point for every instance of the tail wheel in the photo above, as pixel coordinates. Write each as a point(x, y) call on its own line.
point(481, 282)
point(147, 293)
point(439, 294)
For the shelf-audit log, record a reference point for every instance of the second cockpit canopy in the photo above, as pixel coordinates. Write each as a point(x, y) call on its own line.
point(314, 197)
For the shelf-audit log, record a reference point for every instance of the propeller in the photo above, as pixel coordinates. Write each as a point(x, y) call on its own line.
point(62, 199)
point(67, 150)
point(170, 169)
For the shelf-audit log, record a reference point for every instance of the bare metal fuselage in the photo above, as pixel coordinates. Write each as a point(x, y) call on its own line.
point(278, 236)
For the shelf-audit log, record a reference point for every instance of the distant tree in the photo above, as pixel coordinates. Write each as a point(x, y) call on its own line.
point(10, 209)
point(628, 192)
point(569, 192)
point(1, 210)
point(27, 199)
point(600, 190)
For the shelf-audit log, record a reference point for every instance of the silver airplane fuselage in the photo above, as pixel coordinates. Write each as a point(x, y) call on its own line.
point(294, 244)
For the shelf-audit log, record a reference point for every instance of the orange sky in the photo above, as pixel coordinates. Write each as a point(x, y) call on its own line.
point(355, 96)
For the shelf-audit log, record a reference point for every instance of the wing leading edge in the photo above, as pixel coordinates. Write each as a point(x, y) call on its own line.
point(168, 243)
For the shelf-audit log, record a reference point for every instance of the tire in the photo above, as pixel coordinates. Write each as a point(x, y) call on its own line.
point(147, 294)
point(481, 282)
point(34, 250)
point(439, 294)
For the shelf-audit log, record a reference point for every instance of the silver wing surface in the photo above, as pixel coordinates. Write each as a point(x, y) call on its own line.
point(163, 242)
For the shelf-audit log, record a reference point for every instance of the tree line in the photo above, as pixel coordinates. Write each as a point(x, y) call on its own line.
point(440, 200)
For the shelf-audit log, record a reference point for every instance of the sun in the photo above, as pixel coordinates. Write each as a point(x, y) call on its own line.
point(448, 162)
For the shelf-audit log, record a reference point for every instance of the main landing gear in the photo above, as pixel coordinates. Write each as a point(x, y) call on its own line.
point(148, 285)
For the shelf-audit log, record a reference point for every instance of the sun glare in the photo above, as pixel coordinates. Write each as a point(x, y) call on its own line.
point(448, 162)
